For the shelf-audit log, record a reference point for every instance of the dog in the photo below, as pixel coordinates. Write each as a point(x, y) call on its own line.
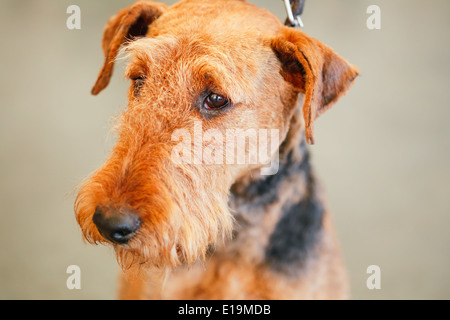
point(186, 220)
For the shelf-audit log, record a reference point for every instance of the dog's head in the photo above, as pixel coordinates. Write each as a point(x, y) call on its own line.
point(205, 74)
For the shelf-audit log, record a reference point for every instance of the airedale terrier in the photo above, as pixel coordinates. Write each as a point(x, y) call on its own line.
point(202, 229)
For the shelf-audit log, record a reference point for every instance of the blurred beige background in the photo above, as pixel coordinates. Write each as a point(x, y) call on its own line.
point(382, 152)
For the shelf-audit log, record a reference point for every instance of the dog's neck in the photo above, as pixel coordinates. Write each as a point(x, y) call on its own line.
point(278, 217)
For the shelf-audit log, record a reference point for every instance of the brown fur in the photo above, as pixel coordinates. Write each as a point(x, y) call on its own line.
point(247, 55)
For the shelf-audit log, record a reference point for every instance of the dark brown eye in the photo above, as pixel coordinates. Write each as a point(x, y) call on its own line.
point(215, 101)
point(138, 83)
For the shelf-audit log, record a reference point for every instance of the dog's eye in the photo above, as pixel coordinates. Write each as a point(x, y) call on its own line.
point(138, 83)
point(215, 101)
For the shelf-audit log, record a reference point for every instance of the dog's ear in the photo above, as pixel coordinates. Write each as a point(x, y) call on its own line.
point(314, 69)
point(126, 25)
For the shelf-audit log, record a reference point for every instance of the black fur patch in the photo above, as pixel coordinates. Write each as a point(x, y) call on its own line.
point(295, 235)
point(298, 229)
point(266, 191)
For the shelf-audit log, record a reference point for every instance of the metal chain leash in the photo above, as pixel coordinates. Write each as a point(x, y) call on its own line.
point(294, 9)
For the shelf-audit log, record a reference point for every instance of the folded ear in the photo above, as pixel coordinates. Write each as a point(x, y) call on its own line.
point(127, 24)
point(314, 69)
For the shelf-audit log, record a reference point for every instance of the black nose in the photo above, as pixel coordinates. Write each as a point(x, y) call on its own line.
point(116, 226)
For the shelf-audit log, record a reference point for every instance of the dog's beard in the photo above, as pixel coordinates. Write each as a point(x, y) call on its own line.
point(180, 221)
point(183, 240)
